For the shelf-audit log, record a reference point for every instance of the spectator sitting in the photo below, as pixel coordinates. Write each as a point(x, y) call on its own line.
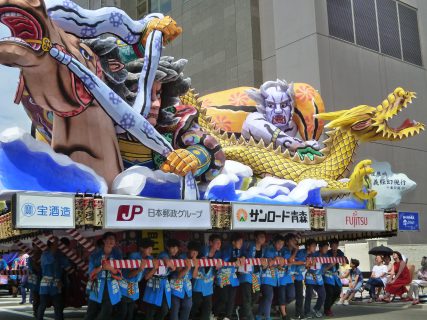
point(421, 281)
point(400, 278)
point(378, 277)
point(356, 281)
point(345, 272)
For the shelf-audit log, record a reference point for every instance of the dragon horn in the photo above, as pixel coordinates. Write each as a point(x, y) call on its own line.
point(255, 95)
point(328, 116)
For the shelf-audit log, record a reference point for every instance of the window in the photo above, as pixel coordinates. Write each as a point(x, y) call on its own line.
point(340, 19)
point(162, 6)
point(365, 23)
point(141, 8)
point(389, 28)
point(385, 26)
point(410, 36)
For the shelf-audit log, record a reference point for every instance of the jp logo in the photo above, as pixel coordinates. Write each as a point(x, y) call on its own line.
point(28, 209)
point(242, 215)
point(127, 213)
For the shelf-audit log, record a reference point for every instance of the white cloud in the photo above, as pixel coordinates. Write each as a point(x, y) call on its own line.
point(11, 115)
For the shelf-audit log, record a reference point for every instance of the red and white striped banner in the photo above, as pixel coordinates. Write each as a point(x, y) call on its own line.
point(180, 263)
point(339, 260)
point(42, 246)
point(88, 245)
point(23, 247)
point(71, 255)
point(14, 272)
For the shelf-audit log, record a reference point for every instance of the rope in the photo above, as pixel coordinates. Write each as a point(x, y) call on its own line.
point(204, 262)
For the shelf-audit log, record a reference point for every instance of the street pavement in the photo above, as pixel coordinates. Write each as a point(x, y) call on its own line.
point(10, 309)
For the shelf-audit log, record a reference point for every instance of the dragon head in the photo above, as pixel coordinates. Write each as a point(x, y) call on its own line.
point(368, 123)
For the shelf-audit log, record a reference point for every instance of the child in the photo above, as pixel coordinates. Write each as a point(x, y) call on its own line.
point(356, 282)
point(204, 280)
point(314, 278)
point(181, 283)
point(344, 272)
point(227, 280)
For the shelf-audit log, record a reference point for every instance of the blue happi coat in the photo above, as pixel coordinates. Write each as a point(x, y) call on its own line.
point(3, 264)
point(205, 276)
point(14, 266)
point(298, 270)
point(129, 285)
point(271, 276)
point(331, 276)
point(286, 275)
point(314, 275)
point(182, 287)
point(34, 277)
point(250, 252)
point(52, 267)
point(104, 277)
point(227, 276)
point(158, 287)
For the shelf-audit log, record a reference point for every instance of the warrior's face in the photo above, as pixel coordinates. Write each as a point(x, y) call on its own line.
point(278, 107)
point(156, 102)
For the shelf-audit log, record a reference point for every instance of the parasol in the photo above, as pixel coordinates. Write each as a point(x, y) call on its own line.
point(381, 250)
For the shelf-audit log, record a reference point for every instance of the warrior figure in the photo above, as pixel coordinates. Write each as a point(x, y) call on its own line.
point(273, 122)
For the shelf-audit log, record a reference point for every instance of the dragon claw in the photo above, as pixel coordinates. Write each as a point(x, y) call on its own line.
point(309, 152)
point(356, 183)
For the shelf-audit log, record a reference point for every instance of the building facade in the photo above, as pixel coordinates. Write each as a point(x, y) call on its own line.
point(352, 51)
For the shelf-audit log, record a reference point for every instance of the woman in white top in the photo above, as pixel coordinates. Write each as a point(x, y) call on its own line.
point(421, 281)
point(378, 277)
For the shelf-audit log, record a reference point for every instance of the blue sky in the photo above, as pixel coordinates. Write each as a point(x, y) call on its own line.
point(11, 115)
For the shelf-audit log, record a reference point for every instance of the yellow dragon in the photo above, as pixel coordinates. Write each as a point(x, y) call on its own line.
point(347, 127)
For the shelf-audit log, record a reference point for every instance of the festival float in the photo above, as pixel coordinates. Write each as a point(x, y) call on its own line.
point(122, 141)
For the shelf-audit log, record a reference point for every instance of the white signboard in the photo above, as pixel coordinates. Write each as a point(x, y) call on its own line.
point(358, 220)
point(37, 210)
point(139, 213)
point(390, 186)
point(249, 216)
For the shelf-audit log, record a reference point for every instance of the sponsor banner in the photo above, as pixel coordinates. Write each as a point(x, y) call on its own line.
point(157, 237)
point(409, 221)
point(248, 216)
point(139, 213)
point(389, 186)
point(358, 220)
point(36, 210)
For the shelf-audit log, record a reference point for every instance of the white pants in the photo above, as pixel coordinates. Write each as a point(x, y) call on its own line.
point(415, 288)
